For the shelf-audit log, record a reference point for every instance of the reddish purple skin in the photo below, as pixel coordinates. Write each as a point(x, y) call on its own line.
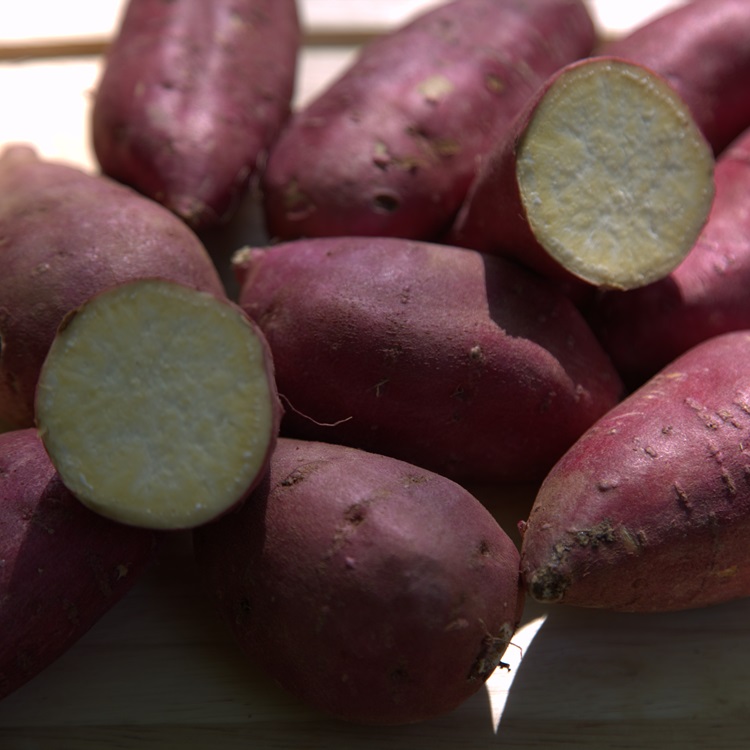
point(706, 295)
point(703, 50)
point(464, 364)
point(493, 217)
point(381, 153)
point(650, 509)
point(65, 235)
point(190, 99)
point(373, 590)
point(63, 566)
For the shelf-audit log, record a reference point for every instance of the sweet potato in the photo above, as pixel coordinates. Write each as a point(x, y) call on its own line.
point(64, 235)
point(370, 588)
point(464, 364)
point(706, 295)
point(605, 178)
point(157, 404)
point(391, 146)
point(650, 509)
point(701, 49)
point(62, 567)
point(192, 95)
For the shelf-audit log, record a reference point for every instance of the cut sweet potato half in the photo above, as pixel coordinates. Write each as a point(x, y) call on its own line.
point(157, 404)
point(607, 178)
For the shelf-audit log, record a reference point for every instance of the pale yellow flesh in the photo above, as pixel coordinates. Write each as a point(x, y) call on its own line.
point(615, 177)
point(155, 405)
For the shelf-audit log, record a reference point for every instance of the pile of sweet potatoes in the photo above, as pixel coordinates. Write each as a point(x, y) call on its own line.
point(497, 252)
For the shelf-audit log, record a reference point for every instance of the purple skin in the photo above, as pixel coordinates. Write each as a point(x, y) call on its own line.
point(63, 565)
point(701, 48)
point(464, 364)
point(373, 590)
point(192, 96)
point(66, 235)
point(650, 510)
point(390, 148)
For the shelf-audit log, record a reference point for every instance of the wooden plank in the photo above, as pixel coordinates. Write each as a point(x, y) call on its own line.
point(97, 46)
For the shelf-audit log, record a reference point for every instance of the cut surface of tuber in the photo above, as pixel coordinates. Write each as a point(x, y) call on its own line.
point(157, 404)
point(615, 177)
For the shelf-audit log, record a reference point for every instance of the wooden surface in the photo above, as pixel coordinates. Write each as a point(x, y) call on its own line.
point(161, 671)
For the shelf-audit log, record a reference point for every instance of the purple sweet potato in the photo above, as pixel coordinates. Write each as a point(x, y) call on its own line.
point(706, 295)
point(64, 235)
point(63, 566)
point(604, 179)
point(192, 95)
point(391, 146)
point(465, 364)
point(372, 589)
point(702, 49)
point(650, 509)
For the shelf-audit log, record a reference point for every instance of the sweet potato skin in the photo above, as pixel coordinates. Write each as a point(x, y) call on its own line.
point(464, 364)
point(390, 148)
point(192, 95)
point(493, 218)
point(706, 295)
point(67, 234)
point(701, 49)
point(371, 589)
point(63, 566)
point(650, 509)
